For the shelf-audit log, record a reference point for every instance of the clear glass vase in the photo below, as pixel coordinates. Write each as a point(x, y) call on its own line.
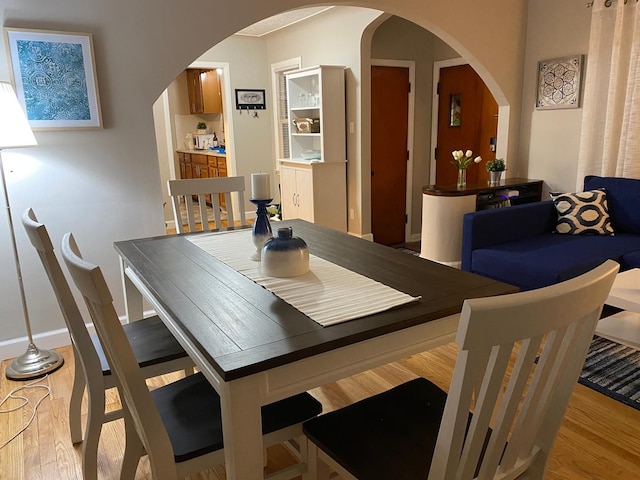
point(494, 178)
point(462, 177)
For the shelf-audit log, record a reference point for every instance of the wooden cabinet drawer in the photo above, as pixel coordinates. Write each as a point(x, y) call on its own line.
point(199, 158)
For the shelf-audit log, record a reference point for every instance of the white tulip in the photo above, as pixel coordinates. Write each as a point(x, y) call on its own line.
point(478, 159)
point(468, 154)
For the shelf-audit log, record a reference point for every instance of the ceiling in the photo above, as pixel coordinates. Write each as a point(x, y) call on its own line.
point(282, 20)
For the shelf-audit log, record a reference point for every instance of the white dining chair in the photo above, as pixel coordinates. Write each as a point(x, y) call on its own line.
point(155, 350)
point(206, 191)
point(179, 425)
point(417, 431)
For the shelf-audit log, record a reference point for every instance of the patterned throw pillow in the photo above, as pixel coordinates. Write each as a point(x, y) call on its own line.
point(582, 213)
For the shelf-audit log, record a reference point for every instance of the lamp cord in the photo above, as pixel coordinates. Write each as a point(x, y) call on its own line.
point(25, 401)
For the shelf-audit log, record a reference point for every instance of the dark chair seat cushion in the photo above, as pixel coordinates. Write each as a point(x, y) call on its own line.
point(190, 411)
point(549, 258)
point(151, 341)
point(391, 435)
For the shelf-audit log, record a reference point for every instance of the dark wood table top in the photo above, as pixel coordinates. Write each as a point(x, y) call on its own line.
point(474, 188)
point(242, 329)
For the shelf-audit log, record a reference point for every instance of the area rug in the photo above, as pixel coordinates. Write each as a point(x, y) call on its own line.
point(613, 369)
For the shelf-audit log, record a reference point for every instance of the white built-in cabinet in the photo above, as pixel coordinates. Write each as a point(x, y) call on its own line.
point(315, 189)
point(315, 192)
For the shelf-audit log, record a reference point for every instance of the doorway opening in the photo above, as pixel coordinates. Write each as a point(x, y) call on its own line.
point(487, 120)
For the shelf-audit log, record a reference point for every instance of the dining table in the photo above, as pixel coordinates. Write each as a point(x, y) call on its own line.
point(259, 340)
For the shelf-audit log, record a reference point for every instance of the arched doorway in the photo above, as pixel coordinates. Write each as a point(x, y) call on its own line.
point(363, 41)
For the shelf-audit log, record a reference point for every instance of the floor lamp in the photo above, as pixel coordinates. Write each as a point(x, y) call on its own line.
point(15, 132)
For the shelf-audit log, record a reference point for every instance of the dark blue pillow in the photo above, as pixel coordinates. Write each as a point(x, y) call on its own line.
point(623, 198)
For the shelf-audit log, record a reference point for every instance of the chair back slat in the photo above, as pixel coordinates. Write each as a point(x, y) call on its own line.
point(89, 279)
point(505, 417)
point(513, 429)
point(40, 239)
point(207, 191)
point(493, 377)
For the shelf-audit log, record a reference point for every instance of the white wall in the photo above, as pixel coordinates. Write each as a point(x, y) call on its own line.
point(252, 136)
point(550, 139)
point(105, 185)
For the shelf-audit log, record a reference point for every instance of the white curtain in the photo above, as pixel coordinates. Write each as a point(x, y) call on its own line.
point(610, 137)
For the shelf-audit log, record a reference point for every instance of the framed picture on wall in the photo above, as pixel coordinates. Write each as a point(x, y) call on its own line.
point(247, 99)
point(559, 83)
point(55, 78)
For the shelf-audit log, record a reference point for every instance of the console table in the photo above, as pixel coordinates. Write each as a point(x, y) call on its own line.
point(443, 207)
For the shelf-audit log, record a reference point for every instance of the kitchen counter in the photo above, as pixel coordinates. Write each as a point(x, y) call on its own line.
point(212, 153)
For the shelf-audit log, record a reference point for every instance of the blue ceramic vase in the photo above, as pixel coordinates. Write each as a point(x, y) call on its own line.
point(261, 231)
point(285, 255)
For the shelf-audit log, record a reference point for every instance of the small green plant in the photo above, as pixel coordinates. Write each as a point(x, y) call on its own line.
point(496, 165)
point(202, 126)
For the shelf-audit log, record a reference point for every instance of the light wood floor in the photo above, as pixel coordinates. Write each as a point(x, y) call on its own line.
point(599, 438)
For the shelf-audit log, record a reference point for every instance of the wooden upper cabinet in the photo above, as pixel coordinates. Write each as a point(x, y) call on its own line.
point(205, 95)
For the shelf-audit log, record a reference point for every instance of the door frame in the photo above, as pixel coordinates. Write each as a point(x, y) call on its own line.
point(503, 116)
point(227, 108)
point(411, 65)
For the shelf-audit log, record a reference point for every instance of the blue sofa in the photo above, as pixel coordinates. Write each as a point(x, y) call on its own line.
point(517, 245)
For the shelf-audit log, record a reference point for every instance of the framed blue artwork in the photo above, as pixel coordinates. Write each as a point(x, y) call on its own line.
point(55, 78)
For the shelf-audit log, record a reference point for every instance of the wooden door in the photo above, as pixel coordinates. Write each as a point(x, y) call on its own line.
point(389, 155)
point(194, 89)
point(467, 120)
point(211, 92)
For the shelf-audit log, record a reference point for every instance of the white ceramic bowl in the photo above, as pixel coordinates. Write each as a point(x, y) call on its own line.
point(284, 256)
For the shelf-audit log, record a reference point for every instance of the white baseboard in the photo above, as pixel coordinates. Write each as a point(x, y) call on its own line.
point(366, 236)
point(15, 347)
point(48, 340)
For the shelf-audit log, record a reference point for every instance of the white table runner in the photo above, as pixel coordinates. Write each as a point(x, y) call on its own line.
point(328, 293)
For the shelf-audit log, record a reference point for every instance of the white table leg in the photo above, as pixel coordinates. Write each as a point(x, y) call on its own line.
point(132, 297)
point(242, 429)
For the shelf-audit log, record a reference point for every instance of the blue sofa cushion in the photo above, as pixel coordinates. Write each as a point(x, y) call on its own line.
point(549, 258)
point(582, 213)
point(623, 196)
point(485, 228)
point(631, 259)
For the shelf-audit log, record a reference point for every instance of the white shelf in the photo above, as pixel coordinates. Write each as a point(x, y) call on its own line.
point(325, 84)
point(316, 190)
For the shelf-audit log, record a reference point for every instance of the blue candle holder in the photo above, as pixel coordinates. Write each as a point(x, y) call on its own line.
point(261, 227)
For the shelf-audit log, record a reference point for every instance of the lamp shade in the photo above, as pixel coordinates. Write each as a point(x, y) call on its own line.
point(14, 127)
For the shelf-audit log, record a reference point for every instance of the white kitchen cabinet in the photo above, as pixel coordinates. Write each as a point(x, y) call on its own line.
point(313, 181)
point(317, 93)
point(316, 192)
